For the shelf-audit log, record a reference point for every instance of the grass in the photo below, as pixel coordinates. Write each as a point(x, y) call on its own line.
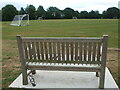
point(56, 28)
point(65, 28)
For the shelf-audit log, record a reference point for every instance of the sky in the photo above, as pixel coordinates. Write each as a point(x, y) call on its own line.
point(79, 5)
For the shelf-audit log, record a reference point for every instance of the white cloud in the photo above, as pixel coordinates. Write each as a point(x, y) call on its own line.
point(79, 5)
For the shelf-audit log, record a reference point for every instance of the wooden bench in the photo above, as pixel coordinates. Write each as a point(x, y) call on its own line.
point(68, 54)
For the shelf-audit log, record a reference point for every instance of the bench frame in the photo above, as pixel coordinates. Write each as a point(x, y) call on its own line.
point(99, 71)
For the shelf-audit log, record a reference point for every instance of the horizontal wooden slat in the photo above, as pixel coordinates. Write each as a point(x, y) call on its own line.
point(65, 39)
point(90, 69)
point(64, 62)
point(62, 38)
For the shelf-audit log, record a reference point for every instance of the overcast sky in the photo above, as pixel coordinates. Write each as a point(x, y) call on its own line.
point(79, 5)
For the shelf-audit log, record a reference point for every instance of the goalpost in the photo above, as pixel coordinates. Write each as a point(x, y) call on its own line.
point(40, 18)
point(21, 20)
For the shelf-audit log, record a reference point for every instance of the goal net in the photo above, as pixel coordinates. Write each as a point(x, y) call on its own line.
point(21, 20)
point(40, 18)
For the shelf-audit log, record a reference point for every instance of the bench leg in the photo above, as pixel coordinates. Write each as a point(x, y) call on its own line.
point(33, 72)
point(102, 79)
point(97, 74)
point(24, 75)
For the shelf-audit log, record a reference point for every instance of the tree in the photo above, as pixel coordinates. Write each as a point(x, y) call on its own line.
point(8, 12)
point(98, 15)
point(94, 14)
point(22, 11)
point(31, 11)
point(48, 15)
point(69, 13)
point(113, 12)
point(40, 12)
point(83, 14)
point(104, 14)
point(77, 14)
point(54, 13)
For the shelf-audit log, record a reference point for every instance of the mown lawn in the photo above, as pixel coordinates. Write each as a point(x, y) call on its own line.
point(56, 28)
point(65, 28)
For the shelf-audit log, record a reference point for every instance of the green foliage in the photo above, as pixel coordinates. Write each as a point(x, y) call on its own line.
point(40, 12)
point(54, 13)
point(77, 14)
point(112, 12)
point(84, 14)
point(31, 11)
point(22, 11)
point(94, 14)
point(90, 15)
point(8, 12)
point(69, 13)
point(48, 15)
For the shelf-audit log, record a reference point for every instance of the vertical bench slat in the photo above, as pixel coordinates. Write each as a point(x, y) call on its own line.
point(52, 46)
point(85, 51)
point(89, 51)
point(38, 50)
point(54, 51)
point(63, 52)
point(46, 50)
point(33, 51)
point(25, 50)
point(94, 52)
point(50, 51)
point(67, 51)
point(58, 50)
point(98, 51)
point(80, 52)
point(30, 50)
point(41, 51)
point(76, 52)
point(71, 52)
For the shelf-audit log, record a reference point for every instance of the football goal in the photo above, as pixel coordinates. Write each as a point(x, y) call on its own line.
point(21, 20)
point(40, 18)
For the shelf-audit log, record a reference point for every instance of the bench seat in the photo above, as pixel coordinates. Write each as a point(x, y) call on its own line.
point(63, 67)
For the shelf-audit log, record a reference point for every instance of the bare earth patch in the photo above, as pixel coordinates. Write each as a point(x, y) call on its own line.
point(112, 62)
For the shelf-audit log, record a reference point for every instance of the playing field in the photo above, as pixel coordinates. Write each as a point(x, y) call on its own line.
point(65, 28)
point(56, 28)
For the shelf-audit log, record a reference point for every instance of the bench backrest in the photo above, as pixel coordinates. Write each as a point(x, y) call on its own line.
point(89, 50)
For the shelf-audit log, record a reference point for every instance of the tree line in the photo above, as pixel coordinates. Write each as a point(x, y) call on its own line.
point(9, 11)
